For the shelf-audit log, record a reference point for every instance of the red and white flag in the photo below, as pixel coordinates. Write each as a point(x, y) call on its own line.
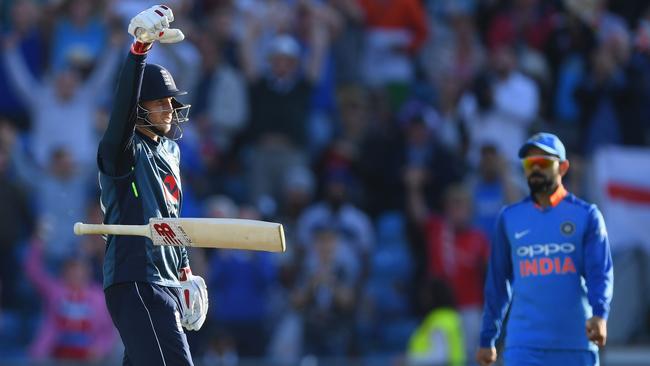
point(622, 177)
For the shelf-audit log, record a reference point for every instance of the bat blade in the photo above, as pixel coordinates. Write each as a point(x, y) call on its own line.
point(218, 233)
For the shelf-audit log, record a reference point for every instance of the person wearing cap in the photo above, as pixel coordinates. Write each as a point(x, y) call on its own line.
point(150, 291)
point(280, 91)
point(551, 264)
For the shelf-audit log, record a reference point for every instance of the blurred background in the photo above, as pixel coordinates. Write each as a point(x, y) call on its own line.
point(383, 134)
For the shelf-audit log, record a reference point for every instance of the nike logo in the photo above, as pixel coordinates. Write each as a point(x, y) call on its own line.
point(521, 234)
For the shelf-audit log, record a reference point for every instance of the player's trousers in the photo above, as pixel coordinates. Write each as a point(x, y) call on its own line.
point(519, 356)
point(147, 316)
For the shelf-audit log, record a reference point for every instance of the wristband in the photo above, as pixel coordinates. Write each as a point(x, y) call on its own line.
point(140, 48)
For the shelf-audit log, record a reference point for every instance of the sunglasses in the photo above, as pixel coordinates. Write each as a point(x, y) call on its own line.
point(542, 161)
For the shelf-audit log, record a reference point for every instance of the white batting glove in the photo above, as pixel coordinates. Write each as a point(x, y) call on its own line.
point(153, 25)
point(194, 295)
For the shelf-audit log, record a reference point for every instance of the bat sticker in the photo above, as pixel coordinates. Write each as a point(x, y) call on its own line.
point(167, 233)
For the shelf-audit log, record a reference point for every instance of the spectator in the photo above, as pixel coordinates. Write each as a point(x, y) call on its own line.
point(25, 24)
point(321, 128)
point(637, 114)
point(595, 14)
point(286, 341)
point(355, 230)
point(380, 157)
point(456, 252)
point(326, 295)
point(78, 33)
point(493, 186)
point(567, 51)
point(221, 104)
point(602, 98)
point(489, 113)
point(344, 150)
point(280, 102)
point(16, 219)
point(61, 192)
point(422, 149)
point(439, 338)
point(65, 103)
point(525, 23)
point(395, 31)
point(347, 48)
point(299, 190)
point(240, 282)
point(454, 52)
point(76, 325)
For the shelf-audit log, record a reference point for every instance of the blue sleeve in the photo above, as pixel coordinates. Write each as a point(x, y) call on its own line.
point(598, 269)
point(115, 153)
point(497, 286)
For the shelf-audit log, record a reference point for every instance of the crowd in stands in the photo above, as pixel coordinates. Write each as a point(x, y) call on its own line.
point(382, 134)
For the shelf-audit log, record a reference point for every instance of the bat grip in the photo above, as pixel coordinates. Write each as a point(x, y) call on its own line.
point(85, 229)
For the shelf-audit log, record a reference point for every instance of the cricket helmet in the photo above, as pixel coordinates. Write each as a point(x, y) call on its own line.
point(158, 83)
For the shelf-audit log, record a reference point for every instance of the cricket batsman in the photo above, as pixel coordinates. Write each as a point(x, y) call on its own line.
point(551, 263)
point(150, 291)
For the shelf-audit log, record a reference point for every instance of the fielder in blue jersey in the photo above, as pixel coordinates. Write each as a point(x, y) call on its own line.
point(550, 263)
point(150, 291)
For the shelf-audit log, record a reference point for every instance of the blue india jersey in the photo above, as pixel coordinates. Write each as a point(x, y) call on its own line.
point(553, 268)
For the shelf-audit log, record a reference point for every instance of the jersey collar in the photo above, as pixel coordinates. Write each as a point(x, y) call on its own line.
point(555, 198)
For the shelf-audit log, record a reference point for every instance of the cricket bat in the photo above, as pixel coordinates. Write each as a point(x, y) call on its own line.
point(200, 232)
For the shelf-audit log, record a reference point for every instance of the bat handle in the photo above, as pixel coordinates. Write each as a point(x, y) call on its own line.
point(84, 229)
point(78, 228)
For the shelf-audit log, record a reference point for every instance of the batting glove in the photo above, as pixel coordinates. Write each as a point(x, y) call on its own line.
point(194, 300)
point(153, 25)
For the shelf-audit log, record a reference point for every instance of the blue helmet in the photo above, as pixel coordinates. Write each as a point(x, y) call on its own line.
point(158, 83)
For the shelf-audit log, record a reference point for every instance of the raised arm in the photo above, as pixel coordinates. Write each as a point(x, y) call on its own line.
point(252, 30)
point(319, 39)
point(116, 155)
point(35, 270)
point(21, 78)
point(103, 73)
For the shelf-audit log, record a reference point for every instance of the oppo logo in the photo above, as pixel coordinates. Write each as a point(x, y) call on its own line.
point(545, 249)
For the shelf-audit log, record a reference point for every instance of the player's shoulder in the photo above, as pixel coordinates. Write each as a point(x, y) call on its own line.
point(580, 203)
point(514, 208)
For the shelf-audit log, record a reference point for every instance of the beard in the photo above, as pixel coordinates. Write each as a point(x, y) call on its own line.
point(539, 183)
